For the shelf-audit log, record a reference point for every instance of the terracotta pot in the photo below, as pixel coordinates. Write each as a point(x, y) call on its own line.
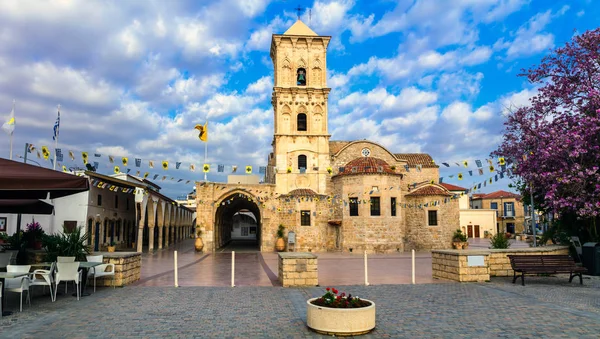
point(198, 244)
point(37, 245)
point(457, 245)
point(340, 321)
point(111, 248)
point(465, 245)
point(280, 244)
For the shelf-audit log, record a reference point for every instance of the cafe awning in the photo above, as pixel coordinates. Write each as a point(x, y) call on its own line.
point(24, 181)
point(25, 206)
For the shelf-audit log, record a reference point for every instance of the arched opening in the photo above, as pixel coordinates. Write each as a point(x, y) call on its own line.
point(301, 122)
point(301, 77)
point(237, 224)
point(302, 163)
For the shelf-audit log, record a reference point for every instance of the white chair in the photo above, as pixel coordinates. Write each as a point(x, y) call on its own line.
point(1, 310)
point(67, 271)
point(65, 259)
point(5, 259)
point(103, 270)
point(18, 285)
point(44, 278)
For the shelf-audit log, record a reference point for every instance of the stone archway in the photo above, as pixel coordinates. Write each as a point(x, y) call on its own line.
point(230, 206)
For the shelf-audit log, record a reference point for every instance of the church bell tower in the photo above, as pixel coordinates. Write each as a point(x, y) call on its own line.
point(300, 157)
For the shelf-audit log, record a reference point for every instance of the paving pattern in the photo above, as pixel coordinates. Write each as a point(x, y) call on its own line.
point(547, 307)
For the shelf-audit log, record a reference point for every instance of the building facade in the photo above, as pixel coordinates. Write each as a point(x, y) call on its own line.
point(334, 195)
point(508, 206)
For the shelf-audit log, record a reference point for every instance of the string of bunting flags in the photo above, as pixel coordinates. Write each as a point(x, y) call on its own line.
point(123, 165)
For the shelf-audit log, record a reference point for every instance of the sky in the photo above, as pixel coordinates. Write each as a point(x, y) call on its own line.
point(133, 78)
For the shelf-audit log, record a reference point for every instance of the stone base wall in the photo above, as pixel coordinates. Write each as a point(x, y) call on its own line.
point(453, 264)
point(298, 269)
point(128, 267)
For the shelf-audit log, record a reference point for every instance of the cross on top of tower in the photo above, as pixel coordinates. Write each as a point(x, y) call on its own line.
point(299, 9)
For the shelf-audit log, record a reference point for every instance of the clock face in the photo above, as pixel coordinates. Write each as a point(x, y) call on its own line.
point(365, 152)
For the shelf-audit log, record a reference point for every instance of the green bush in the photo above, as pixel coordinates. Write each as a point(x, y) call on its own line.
point(71, 244)
point(459, 236)
point(499, 241)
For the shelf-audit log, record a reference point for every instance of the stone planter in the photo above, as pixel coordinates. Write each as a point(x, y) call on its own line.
point(111, 248)
point(457, 245)
point(279, 245)
point(340, 321)
point(198, 244)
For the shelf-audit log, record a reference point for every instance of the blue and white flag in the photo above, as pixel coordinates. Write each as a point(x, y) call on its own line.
point(59, 154)
point(56, 127)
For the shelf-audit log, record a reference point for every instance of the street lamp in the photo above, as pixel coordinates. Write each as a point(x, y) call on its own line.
point(25, 160)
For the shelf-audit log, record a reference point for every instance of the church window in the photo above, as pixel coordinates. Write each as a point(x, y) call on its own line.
point(301, 77)
point(393, 205)
point(304, 218)
point(375, 206)
point(353, 207)
point(432, 218)
point(301, 122)
point(302, 162)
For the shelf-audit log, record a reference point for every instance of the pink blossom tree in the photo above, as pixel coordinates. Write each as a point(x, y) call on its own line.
point(554, 143)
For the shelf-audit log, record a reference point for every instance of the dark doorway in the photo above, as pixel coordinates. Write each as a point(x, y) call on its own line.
point(237, 224)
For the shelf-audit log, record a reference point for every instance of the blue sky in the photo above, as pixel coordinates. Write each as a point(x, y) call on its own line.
point(134, 77)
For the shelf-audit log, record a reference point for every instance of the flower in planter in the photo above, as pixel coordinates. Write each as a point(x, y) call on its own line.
point(334, 299)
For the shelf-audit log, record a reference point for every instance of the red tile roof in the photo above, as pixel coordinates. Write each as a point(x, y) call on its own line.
point(501, 194)
point(366, 165)
point(451, 187)
point(477, 196)
point(429, 190)
point(303, 192)
point(414, 159)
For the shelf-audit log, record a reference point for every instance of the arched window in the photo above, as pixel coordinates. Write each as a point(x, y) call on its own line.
point(301, 77)
point(301, 122)
point(302, 162)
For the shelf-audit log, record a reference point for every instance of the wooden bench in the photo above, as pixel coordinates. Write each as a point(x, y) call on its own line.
point(545, 264)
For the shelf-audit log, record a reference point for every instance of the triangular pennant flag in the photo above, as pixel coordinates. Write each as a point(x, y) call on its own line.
point(446, 164)
point(151, 164)
point(155, 176)
point(71, 155)
point(233, 169)
point(192, 167)
point(111, 159)
point(177, 164)
point(480, 171)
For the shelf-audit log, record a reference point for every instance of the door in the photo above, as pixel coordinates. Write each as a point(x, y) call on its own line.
point(510, 227)
point(476, 227)
point(97, 238)
point(470, 231)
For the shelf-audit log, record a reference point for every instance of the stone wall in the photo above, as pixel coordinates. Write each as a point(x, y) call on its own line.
point(128, 267)
point(453, 264)
point(419, 234)
point(298, 269)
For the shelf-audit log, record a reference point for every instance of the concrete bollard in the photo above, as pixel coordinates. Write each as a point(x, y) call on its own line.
point(413, 267)
point(175, 269)
point(232, 268)
point(366, 271)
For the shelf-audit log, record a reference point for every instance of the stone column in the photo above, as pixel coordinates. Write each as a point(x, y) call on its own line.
point(150, 238)
point(160, 237)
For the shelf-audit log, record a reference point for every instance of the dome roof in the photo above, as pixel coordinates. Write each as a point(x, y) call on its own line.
point(367, 165)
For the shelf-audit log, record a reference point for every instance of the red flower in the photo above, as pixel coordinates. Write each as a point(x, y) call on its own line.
point(327, 289)
point(334, 291)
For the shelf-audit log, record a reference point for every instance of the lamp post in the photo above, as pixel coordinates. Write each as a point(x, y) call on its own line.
point(532, 215)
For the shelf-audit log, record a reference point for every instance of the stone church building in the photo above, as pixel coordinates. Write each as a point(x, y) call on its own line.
point(334, 195)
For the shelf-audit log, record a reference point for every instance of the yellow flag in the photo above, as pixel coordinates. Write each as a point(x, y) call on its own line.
point(146, 175)
point(117, 170)
point(125, 161)
point(248, 169)
point(165, 165)
point(460, 176)
point(45, 152)
point(64, 168)
point(84, 156)
point(206, 168)
point(203, 136)
point(501, 161)
point(466, 163)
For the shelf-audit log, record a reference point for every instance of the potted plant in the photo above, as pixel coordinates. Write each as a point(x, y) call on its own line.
point(198, 244)
point(112, 246)
point(280, 243)
point(67, 244)
point(3, 238)
point(336, 313)
point(459, 240)
point(34, 234)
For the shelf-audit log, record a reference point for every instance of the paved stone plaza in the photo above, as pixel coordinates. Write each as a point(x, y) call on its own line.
point(547, 307)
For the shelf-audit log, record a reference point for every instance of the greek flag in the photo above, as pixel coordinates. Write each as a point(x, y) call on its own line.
point(56, 126)
point(59, 154)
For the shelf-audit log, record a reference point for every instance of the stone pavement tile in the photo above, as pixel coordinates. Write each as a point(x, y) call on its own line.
point(487, 310)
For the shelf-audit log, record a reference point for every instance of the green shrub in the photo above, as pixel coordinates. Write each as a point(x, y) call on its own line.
point(71, 244)
point(280, 233)
point(499, 241)
point(459, 236)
